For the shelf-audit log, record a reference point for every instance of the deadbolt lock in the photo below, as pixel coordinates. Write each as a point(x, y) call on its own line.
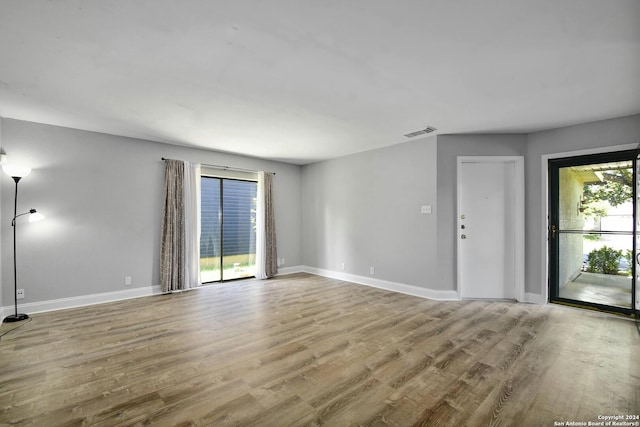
point(464, 236)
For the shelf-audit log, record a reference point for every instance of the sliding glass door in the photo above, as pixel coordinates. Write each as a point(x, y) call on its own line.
point(228, 229)
point(593, 226)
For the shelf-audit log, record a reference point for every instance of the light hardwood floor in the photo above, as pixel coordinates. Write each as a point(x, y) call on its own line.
point(306, 350)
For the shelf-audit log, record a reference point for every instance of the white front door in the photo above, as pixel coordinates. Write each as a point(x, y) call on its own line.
point(487, 228)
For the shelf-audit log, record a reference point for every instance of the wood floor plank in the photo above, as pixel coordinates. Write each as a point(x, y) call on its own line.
point(306, 350)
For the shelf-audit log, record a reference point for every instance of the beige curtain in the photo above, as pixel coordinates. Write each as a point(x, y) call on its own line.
point(172, 239)
point(266, 250)
point(271, 255)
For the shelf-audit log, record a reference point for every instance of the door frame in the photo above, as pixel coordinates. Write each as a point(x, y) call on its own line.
point(518, 224)
point(222, 177)
point(545, 207)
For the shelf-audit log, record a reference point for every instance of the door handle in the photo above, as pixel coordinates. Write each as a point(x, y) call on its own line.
point(464, 236)
point(638, 258)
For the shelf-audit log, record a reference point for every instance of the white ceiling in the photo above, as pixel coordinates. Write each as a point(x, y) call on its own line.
point(300, 80)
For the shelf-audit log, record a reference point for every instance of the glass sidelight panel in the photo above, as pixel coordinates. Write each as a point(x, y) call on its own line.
point(239, 228)
point(210, 230)
point(591, 238)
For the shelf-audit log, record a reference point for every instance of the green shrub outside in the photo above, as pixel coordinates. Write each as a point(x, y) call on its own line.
point(604, 260)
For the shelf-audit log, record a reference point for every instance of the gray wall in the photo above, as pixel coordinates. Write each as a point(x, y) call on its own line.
point(102, 196)
point(449, 148)
point(593, 135)
point(364, 210)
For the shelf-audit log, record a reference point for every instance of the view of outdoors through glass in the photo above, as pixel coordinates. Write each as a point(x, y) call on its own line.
point(228, 234)
point(595, 233)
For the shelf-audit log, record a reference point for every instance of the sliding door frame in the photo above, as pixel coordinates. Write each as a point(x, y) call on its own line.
point(548, 221)
point(222, 178)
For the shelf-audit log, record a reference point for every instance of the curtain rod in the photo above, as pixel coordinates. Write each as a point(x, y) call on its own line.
point(227, 167)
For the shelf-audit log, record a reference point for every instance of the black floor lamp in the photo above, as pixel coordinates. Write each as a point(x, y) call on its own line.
point(17, 173)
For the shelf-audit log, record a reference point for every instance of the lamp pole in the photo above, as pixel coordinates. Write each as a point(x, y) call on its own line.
point(16, 173)
point(15, 317)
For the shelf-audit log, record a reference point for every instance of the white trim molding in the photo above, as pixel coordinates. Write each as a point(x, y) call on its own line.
point(534, 298)
point(418, 291)
point(101, 298)
point(282, 271)
point(83, 300)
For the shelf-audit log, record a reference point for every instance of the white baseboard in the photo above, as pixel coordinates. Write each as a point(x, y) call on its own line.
point(435, 294)
point(534, 298)
point(82, 300)
point(290, 270)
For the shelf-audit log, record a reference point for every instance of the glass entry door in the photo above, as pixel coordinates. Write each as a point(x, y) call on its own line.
point(636, 258)
point(593, 226)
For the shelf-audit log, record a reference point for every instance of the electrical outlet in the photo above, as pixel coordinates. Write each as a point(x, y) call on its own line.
point(20, 293)
point(372, 270)
point(282, 261)
point(342, 266)
point(127, 281)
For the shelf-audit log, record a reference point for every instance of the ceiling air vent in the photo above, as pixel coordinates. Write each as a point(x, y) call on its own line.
point(425, 131)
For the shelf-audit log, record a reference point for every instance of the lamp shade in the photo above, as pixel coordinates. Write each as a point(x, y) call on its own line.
point(16, 171)
point(35, 216)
